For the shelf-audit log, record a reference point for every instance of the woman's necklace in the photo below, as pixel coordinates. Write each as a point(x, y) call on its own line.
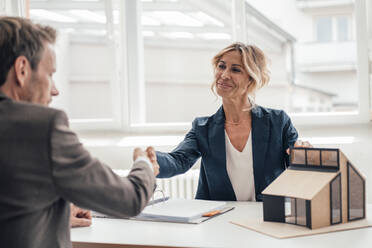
point(232, 123)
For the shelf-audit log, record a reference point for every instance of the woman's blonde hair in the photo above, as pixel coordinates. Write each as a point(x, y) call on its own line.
point(254, 62)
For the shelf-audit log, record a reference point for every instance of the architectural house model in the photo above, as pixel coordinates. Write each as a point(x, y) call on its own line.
point(321, 187)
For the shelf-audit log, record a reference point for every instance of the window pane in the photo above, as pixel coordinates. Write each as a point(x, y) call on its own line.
point(322, 76)
point(179, 45)
point(336, 200)
point(313, 157)
point(356, 194)
point(305, 76)
point(290, 210)
point(301, 212)
point(298, 156)
point(329, 158)
point(342, 28)
point(324, 29)
point(85, 56)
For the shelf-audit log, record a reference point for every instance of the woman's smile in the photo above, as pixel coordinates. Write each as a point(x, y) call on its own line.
point(224, 85)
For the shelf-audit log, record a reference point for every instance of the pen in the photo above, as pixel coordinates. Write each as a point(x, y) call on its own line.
point(211, 213)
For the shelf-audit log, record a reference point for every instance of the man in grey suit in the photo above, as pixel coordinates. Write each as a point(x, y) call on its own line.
point(43, 166)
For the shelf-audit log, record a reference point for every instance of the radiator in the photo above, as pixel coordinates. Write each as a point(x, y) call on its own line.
point(181, 186)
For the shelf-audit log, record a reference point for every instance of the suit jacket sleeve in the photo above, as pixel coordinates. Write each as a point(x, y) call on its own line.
point(90, 184)
point(182, 158)
point(290, 136)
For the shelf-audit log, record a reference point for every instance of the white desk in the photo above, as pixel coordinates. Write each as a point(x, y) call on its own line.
point(216, 232)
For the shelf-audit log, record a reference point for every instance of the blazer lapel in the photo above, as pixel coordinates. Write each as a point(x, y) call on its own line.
point(260, 137)
point(216, 139)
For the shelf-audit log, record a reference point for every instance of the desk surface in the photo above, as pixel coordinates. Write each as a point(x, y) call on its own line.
point(216, 232)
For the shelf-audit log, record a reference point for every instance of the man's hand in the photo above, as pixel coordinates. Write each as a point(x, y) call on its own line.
point(79, 217)
point(150, 154)
point(300, 143)
point(138, 152)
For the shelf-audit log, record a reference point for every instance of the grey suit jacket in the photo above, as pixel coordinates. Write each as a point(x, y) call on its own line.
point(43, 167)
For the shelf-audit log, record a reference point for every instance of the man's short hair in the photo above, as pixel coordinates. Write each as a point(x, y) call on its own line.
point(21, 37)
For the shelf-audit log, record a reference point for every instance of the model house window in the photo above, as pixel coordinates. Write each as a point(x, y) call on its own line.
point(301, 212)
point(315, 158)
point(336, 213)
point(295, 211)
point(330, 158)
point(332, 28)
point(298, 156)
point(356, 194)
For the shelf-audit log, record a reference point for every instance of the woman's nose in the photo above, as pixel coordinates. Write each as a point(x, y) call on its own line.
point(225, 74)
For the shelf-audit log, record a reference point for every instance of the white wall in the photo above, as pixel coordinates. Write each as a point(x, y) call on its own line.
point(343, 83)
point(2, 7)
point(12, 7)
point(285, 14)
point(175, 64)
point(62, 76)
point(178, 84)
point(83, 77)
point(179, 102)
point(279, 71)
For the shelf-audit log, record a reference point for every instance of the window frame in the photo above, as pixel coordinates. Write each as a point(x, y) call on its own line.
point(334, 27)
point(338, 177)
point(350, 166)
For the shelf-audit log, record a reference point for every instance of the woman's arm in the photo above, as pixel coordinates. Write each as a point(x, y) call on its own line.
point(182, 158)
point(290, 136)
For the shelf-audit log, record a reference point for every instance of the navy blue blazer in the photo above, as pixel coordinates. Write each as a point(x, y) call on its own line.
point(272, 133)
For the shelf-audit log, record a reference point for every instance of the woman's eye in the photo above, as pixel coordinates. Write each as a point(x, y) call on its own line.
point(221, 66)
point(236, 70)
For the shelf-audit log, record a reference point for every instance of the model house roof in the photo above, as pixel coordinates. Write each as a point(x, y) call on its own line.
point(302, 184)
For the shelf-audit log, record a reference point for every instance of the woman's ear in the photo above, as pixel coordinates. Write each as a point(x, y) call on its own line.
point(22, 69)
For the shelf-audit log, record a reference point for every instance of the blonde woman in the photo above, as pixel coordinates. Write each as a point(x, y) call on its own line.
point(243, 146)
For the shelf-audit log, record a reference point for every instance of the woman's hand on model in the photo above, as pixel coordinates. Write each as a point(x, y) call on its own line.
point(300, 143)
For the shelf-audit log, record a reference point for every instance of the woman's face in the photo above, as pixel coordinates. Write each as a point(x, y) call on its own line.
point(232, 80)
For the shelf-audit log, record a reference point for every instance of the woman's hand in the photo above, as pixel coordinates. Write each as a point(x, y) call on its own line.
point(300, 143)
point(151, 154)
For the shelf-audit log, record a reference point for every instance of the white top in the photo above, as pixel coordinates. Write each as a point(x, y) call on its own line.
point(239, 167)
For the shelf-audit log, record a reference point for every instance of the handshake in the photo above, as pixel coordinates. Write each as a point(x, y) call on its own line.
point(150, 154)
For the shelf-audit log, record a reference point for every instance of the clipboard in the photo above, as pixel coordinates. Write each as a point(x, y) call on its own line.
point(179, 211)
point(183, 211)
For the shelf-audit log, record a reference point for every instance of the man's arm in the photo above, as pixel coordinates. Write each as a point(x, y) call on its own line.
point(87, 182)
